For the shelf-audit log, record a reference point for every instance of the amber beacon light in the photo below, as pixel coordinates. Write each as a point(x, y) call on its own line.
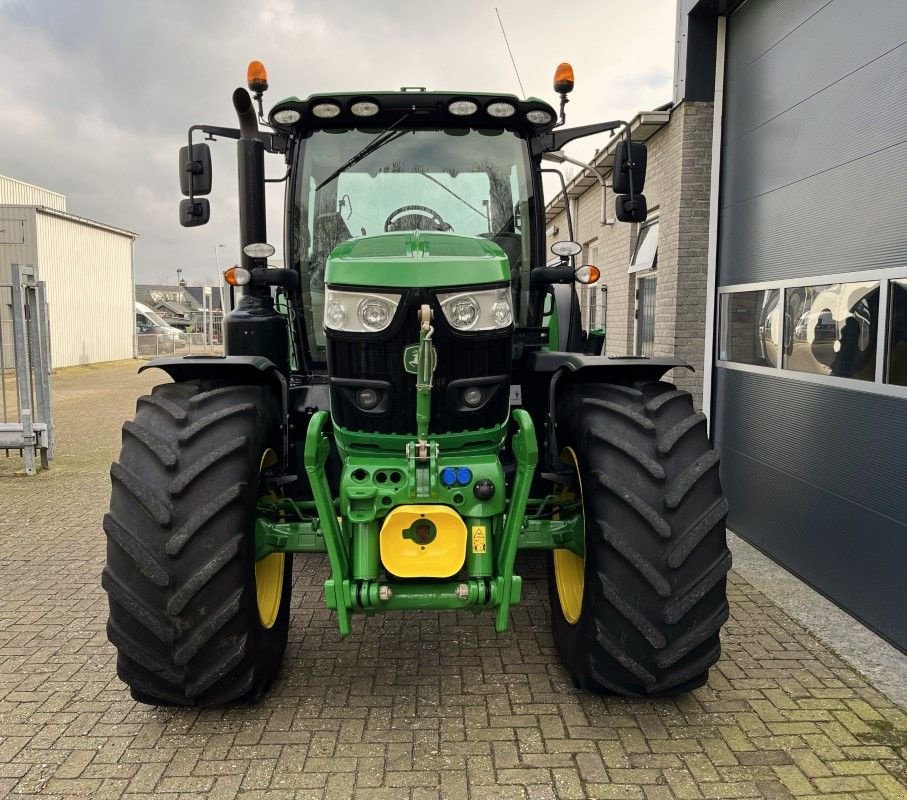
point(563, 78)
point(257, 77)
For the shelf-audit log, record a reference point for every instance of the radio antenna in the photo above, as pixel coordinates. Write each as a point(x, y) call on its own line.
point(512, 59)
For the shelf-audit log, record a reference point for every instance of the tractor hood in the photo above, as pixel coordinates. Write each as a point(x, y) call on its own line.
point(417, 259)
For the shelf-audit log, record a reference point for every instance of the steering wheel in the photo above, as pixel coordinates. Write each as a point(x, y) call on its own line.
point(415, 218)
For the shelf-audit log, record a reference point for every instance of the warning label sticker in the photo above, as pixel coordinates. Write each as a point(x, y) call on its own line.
point(479, 542)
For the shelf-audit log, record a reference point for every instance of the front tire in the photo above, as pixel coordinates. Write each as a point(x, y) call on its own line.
point(194, 619)
point(641, 613)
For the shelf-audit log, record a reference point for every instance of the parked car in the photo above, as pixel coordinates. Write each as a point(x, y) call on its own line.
point(147, 322)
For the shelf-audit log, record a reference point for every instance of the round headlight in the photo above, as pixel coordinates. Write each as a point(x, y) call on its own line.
point(501, 109)
point(502, 314)
point(539, 117)
point(334, 314)
point(473, 396)
point(374, 313)
point(463, 313)
point(326, 110)
point(364, 108)
point(287, 116)
point(462, 108)
point(367, 398)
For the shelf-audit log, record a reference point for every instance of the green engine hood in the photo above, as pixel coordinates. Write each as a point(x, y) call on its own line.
point(416, 259)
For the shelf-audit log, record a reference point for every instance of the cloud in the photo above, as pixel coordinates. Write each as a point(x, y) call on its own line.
point(102, 91)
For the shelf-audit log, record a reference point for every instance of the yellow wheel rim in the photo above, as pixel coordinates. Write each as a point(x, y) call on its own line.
point(569, 568)
point(269, 587)
point(269, 570)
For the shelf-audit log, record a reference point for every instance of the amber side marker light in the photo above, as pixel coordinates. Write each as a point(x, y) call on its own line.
point(563, 78)
point(587, 274)
point(237, 276)
point(257, 77)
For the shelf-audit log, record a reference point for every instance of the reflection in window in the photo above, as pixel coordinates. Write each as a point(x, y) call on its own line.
point(749, 328)
point(896, 368)
point(831, 329)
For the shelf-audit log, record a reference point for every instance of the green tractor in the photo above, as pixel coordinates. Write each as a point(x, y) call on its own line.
point(413, 395)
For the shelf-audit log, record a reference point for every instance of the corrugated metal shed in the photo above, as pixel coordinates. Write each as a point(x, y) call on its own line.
point(19, 193)
point(87, 267)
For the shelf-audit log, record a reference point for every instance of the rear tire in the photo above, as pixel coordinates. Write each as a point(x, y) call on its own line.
point(180, 575)
point(653, 590)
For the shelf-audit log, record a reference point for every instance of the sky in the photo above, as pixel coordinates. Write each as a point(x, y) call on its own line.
point(98, 94)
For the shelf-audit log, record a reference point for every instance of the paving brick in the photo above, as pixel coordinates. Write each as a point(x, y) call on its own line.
point(410, 706)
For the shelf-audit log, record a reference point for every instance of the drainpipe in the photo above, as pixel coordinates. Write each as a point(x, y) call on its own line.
point(559, 157)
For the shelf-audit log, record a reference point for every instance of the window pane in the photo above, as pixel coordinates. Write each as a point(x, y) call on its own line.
point(896, 369)
point(749, 328)
point(645, 316)
point(646, 251)
point(832, 329)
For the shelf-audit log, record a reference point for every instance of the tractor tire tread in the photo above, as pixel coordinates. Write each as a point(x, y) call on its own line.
point(149, 566)
point(157, 446)
point(656, 552)
point(180, 571)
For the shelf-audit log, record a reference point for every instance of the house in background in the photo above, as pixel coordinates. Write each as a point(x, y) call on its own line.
point(190, 308)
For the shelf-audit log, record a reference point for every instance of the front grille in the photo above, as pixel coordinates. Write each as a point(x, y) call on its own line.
point(356, 360)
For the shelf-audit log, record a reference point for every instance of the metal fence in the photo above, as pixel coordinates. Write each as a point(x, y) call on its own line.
point(152, 345)
point(26, 424)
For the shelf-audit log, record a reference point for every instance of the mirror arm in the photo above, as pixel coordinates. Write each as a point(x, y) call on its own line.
point(555, 140)
point(215, 130)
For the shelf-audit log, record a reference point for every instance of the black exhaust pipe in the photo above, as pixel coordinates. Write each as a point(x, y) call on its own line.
point(248, 122)
point(251, 164)
point(254, 327)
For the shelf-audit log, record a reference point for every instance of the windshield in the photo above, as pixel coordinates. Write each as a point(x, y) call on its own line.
point(469, 182)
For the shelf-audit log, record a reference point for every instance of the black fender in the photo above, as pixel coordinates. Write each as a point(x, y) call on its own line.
point(550, 372)
point(241, 370)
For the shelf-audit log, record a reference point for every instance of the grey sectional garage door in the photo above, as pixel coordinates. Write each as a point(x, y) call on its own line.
point(811, 403)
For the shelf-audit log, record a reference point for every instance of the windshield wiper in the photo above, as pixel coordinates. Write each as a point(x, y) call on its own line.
point(383, 138)
point(466, 203)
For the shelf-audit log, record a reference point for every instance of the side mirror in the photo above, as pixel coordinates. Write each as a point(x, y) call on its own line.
point(195, 170)
point(194, 213)
point(631, 209)
point(629, 157)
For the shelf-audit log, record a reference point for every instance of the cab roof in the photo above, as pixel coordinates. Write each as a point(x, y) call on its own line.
point(414, 108)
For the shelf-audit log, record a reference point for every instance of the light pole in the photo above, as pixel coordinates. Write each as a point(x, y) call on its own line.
point(220, 283)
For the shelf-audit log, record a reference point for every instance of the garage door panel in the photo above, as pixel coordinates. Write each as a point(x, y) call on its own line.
point(834, 439)
point(836, 221)
point(822, 132)
point(760, 26)
point(839, 39)
point(846, 551)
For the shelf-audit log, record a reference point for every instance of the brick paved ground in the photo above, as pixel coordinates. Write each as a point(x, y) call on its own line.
point(416, 706)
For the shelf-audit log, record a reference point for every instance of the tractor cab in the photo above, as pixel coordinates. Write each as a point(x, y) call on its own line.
point(454, 171)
